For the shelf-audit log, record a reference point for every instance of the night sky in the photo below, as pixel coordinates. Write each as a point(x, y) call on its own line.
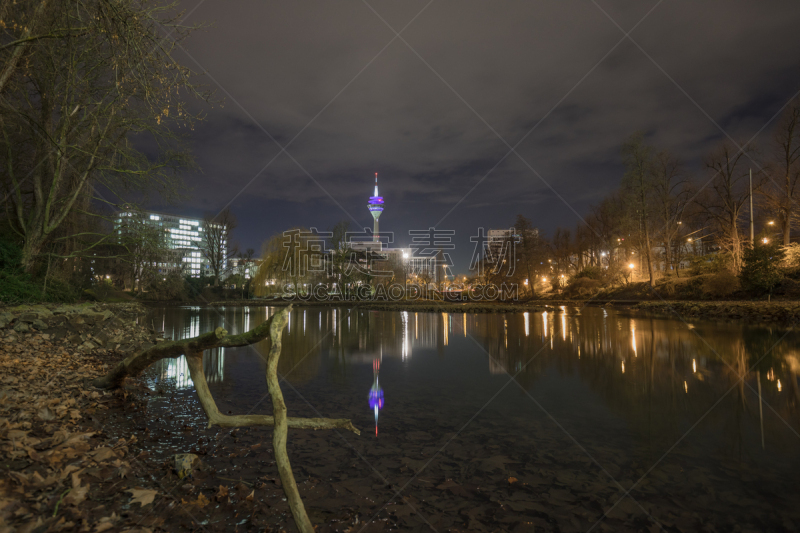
point(437, 110)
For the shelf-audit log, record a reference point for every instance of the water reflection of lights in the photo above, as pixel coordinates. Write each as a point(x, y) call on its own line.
point(527, 323)
point(445, 329)
point(623, 367)
point(194, 327)
point(633, 338)
point(406, 340)
point(686, 387)
point(505, 332)
point(177, 369)
point(544, 321)
point(376, 393)
point(779, 385)
point(563, 325)
point(464, 320)
point(694, 365)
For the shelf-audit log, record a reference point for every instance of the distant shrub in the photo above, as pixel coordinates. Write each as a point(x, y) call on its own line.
point(791, 257)
point(720, 284)
point(709, 264)
point(583, 287)
point(761, 267)
point(591, 272)
point(170, 287)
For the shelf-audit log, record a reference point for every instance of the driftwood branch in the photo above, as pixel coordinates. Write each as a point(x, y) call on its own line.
point(281, 427)
point(193, 350)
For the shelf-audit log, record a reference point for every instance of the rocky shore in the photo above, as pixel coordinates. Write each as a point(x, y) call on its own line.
point(785, 313)
point(61, 471)
point(420, 306)
point(85, 327)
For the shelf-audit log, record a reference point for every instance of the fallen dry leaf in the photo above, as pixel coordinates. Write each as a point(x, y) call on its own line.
point(76, 495)
point(46, 414)
point(222, 493)
point(512, 480)
point(104, 454)
point(142, 496)
point(201, 501)
point(250, 496)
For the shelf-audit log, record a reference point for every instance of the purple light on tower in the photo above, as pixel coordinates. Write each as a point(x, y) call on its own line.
point(375, 207)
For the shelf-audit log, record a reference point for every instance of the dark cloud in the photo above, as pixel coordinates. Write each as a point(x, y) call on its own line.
point(434, 121)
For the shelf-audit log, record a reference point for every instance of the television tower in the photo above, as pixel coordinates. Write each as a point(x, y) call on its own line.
point(375, 207)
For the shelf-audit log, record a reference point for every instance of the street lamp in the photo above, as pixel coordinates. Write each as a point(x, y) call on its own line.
point(771, 222)
point(630, 266)
point(765, 240)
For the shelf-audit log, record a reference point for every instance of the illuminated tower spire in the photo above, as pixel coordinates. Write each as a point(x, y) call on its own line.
point(375, 207)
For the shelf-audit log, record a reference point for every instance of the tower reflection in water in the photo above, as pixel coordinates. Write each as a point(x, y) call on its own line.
point(376, 392)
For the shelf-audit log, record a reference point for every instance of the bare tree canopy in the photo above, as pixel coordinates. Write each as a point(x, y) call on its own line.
point(78, 79)
point(723, 201)
point(217, 246)
point(780, 193)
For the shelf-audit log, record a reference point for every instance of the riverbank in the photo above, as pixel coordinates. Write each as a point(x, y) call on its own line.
point(61, 470)
point(77, 458)
point(780, 313)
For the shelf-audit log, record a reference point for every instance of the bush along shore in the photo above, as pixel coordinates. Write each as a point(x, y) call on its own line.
point(783, 313)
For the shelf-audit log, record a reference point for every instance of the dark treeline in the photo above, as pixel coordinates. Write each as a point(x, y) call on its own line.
point(662, 218)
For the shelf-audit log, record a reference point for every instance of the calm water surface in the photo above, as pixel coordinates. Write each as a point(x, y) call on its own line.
point(570, 420)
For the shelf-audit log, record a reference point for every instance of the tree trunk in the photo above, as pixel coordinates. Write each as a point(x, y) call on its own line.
point(30, 251)
point(649, 251)
point(786, 231)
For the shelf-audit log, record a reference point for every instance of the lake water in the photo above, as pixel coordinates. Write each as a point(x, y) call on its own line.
point(570, 420)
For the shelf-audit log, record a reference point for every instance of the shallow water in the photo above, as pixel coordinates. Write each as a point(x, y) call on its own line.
point(571, 420)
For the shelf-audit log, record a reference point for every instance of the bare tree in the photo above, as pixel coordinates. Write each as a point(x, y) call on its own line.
point(637, 186)
point(781, 193)
point(670, 195)
point(145, 249)
point(530, 253)
point(217, 247)
point(77, 79)
point(723, 201)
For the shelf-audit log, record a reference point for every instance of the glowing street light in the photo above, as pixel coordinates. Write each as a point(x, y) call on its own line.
point(526, 282)
point(765, 240)
point(771, 222)
point(630, 266)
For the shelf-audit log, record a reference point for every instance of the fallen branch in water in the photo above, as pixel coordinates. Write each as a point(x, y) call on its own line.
point(193, 349)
